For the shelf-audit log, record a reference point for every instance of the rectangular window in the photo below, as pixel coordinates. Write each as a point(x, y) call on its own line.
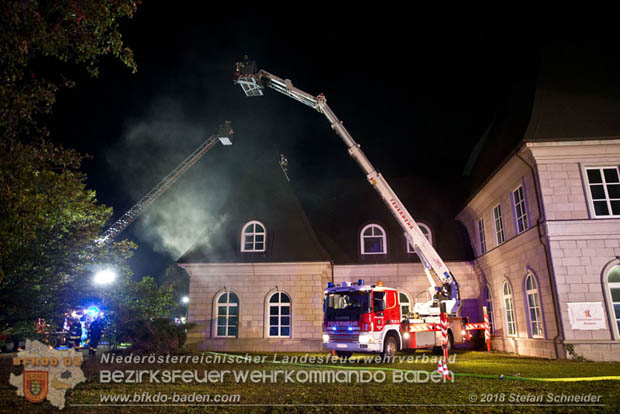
point(481, 236)
point(499, 224)
point(604, 191)
point(518, 198)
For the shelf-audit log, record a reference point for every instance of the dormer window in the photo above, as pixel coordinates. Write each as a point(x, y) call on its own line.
point(253, 237)
point(373, 240)
point(426, 231)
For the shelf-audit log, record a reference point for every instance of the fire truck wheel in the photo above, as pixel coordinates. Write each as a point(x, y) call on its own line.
point(390, 347)
point(344, 354)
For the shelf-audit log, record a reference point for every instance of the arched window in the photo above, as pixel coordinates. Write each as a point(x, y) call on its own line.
point(253, 237)
point(405, 304)
point(373, 240)
point(534, 309)
point(613, 297)
point(509, 311)
point(488, 302)
point(427, 233)
point(279, 315)
point(226, 315)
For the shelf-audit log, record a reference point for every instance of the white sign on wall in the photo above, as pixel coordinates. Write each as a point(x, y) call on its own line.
point(586, 316)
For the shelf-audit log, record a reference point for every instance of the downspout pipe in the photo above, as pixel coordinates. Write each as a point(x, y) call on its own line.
point(542, 240)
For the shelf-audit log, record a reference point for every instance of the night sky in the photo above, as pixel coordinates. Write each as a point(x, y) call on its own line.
point(415, 93)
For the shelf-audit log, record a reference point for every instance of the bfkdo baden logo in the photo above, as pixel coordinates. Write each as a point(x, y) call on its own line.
point(48, 373)
point(35, 385)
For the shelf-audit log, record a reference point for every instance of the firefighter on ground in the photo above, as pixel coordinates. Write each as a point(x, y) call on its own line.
point(75, 333)
point(94, 335)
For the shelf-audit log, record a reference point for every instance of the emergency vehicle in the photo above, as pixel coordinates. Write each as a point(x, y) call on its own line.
point(367, 318)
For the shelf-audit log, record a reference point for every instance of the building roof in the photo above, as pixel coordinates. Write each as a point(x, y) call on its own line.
point(577, 95)
point(574, 94)
point(263, 194)
point(322, 220)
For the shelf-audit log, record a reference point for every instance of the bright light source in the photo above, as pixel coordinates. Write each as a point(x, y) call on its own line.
point(104, 277)
point(92, 311)
point(185, 299)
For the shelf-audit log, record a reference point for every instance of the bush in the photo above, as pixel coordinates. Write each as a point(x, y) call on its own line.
point(157, 335)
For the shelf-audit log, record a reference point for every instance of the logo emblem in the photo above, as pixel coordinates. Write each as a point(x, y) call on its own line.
point(35, 385)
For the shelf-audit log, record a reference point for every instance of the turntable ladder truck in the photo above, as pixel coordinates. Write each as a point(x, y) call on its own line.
point(367, 318)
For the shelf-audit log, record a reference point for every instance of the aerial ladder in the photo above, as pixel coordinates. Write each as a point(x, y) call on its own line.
point(446, 294)
point(223, 135)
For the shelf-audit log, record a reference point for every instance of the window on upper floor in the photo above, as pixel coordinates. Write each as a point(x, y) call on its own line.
point(253, 237)
point(603, 191)
point(427, 233)
point(373, 240)
point(534, 313)
point(520, 210)
point(499, 224)
point(482, 237)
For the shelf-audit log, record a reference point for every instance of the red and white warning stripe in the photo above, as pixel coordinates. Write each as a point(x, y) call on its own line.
point(424, 327)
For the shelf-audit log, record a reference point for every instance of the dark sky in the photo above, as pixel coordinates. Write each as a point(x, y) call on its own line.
point(417, 94)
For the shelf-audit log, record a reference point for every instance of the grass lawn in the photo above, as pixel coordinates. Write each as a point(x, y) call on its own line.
point(466, 394)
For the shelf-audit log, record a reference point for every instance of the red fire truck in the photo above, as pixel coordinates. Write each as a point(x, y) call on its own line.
point(367, 318)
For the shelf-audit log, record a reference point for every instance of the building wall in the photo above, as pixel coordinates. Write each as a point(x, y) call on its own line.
point(253, 283)
point(583, 248)
point(511, 261)
point(304, 283)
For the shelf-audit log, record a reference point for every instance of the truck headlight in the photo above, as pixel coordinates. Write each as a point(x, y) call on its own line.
point(364, 339)
point(325, 338)
point(406, 335)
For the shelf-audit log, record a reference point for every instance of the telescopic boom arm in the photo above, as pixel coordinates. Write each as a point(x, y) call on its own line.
point(253, 82)
point(224, 135)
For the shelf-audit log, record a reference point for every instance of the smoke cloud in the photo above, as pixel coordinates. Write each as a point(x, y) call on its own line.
point(149, 149)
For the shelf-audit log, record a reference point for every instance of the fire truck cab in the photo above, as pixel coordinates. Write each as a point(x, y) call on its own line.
point(367, 319)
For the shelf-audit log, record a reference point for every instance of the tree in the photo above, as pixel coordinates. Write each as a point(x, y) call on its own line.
point(177, 280)
point(48, 227)
point(40, 40)
point(138, 312)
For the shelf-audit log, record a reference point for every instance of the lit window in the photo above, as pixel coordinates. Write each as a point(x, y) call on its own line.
point(509, 311)
point(372, 239)
point(426, 231)
point(405, 304)
point(533, 304)
point(488, 302)
point(518, 198)
point(604, 191)
point(253, 237)
point(481, 237)
point(499, 224)
point(279, 315)
point(227, 313)
point(613, 294)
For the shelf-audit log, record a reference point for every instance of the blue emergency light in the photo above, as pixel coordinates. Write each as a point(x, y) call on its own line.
point(360, 282)
point(92, 311)
point(330, 285)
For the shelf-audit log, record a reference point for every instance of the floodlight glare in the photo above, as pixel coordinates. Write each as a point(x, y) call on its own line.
point(185, 299)
point(104, 277)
